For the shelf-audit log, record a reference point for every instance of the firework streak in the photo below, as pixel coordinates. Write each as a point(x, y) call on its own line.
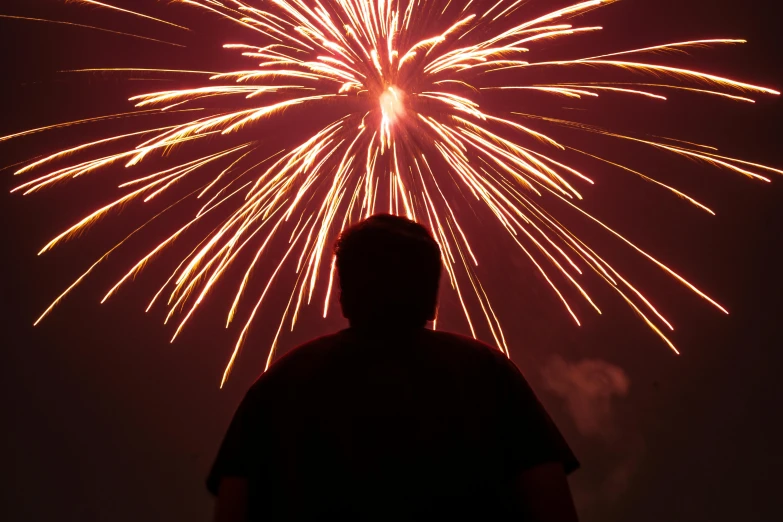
point(410, 83)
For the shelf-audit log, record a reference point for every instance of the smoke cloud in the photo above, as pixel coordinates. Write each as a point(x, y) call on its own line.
point(591, 390)
point(588, 388)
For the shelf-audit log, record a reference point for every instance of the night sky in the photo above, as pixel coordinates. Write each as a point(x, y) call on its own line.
point(103, 419)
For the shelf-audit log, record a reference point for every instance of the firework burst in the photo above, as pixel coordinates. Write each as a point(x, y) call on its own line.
point(411, 82)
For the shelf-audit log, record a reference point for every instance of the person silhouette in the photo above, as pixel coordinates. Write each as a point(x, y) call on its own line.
point(389, 420)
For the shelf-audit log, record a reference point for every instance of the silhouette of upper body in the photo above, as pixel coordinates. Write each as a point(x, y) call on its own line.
point(388, 420)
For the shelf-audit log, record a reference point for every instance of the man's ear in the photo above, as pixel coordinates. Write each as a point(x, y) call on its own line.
point(342, 305)
point(433, 313)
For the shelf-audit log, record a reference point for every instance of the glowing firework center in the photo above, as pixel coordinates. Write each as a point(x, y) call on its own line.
point(392, 109)
point(391, 104)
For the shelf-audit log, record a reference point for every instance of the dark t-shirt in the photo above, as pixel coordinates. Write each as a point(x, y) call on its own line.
point(417, 426)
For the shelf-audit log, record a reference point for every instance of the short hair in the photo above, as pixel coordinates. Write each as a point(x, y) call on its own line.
point(389, 270)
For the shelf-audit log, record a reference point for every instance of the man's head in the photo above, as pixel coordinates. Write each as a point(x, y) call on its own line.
point(389, 269)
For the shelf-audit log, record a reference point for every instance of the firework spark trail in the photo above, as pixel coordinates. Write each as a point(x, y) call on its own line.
point(91, 27)
point(412, 79)
point(126, 11)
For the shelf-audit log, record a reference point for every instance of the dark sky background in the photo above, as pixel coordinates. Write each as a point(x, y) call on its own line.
point(103, 419)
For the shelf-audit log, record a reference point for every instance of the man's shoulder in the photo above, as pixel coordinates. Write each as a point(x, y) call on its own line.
point(305, 357)
point(315, 356)
point(316, 346)
point(460, 349)
point(461, 342)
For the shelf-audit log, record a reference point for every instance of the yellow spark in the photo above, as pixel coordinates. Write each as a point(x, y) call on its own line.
point(91, 27)
point(126, 11)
